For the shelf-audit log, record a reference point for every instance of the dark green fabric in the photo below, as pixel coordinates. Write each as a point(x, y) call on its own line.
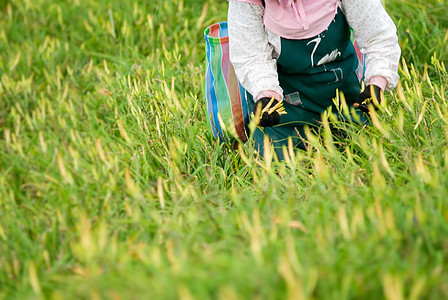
point(309, 84)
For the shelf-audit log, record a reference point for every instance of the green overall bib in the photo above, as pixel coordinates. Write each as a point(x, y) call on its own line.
point(309, 73)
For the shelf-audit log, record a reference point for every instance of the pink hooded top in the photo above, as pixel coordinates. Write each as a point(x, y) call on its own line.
point(297, 19)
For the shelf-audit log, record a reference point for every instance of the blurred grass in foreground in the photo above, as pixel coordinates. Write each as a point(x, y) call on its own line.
point(111, 185)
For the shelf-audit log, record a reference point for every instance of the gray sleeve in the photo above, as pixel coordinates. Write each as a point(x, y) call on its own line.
point(250, 51)
point(376, 35)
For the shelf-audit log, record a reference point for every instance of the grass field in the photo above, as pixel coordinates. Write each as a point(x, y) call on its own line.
point(112, 187)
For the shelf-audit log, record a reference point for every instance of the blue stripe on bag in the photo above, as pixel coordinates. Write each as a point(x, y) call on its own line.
point(224, 94)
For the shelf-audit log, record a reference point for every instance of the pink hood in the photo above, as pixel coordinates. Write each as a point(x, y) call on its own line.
point(297, 19)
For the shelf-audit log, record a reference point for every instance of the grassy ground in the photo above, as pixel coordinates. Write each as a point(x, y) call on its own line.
point(111, 186)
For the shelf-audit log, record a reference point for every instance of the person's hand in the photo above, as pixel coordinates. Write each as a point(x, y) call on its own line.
point(268, 117)
point(366, 96)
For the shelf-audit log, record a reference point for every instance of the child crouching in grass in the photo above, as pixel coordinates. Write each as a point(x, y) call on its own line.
point(300, 52)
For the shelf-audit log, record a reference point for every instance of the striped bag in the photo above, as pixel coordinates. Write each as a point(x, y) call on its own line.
point(227, 111)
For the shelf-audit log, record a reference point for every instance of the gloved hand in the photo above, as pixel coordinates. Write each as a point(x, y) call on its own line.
point(366, 97)
point(266, 119)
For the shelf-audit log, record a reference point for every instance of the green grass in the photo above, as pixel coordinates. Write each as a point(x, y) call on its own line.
point(112, 187)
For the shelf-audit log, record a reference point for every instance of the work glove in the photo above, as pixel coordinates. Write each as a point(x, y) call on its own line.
point(267, 119)
point(366, 97)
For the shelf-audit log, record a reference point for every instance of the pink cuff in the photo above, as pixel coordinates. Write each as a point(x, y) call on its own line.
point(379, 81)
point(250, 1)
point(269, 94)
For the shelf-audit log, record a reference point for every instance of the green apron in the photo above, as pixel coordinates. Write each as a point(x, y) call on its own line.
point(309, 73)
